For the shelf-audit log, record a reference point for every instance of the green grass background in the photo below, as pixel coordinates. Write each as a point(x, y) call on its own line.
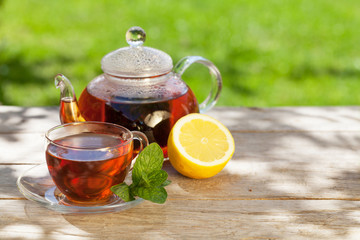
point(270, 53)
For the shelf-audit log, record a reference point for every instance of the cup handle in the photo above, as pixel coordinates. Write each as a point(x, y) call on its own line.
point(216, 81)
point(141, 137)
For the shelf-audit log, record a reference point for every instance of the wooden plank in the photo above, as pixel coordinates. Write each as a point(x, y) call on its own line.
point(28, 148)
point(39, 119)
point(298, 164)
point(271, 165)
point(189, 219)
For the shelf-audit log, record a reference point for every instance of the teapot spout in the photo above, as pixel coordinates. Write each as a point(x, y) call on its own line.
point(69, 108)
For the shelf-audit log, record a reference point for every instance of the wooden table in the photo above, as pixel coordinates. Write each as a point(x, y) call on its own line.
point(295, 174)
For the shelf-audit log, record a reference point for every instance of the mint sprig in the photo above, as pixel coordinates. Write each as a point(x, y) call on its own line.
point(148, 179)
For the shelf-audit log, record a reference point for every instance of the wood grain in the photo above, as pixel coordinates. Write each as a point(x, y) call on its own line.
point(190, 219)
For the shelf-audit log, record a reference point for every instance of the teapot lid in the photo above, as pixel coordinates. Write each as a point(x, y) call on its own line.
point(136, 61)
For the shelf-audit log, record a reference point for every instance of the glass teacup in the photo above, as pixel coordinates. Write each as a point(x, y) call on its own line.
point(86, 158)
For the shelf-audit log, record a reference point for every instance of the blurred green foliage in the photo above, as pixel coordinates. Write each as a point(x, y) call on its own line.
point(270, 53)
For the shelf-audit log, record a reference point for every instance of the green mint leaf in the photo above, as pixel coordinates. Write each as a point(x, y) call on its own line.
point(153, 179)
point(123, 191)
point(148, 178)
point(153, 194)
point(156, 178)
point(149, 159)
point(165, 183)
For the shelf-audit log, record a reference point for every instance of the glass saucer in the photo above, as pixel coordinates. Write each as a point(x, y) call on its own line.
point(36, 185)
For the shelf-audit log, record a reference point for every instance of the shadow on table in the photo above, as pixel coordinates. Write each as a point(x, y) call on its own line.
point(281, 161)
point(22, 120)
point(8, 183)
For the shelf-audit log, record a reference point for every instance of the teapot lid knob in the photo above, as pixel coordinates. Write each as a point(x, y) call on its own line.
point(135, 36)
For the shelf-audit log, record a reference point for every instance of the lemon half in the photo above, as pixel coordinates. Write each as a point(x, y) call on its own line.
point(199, 146)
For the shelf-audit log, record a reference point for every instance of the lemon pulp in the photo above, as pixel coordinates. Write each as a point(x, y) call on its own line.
point(199, 146)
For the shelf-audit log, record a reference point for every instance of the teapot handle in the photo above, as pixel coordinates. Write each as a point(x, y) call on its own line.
point(216, 82)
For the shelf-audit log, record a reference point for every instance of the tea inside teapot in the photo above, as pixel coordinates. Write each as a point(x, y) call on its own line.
point(154, 117)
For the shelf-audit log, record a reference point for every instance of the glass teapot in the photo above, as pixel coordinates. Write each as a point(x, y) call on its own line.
point(139, 89)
